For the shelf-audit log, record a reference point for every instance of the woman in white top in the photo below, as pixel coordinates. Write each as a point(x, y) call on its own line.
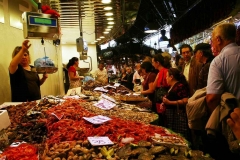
point(101, 75)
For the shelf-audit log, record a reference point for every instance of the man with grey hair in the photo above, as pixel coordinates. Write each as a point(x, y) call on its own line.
point(224, 76)
point(224, 72)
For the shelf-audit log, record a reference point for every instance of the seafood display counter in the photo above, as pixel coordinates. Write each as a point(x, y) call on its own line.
point(90, 126)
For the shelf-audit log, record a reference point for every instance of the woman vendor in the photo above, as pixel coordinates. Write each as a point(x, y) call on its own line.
point(24, 80)
point(74, 78)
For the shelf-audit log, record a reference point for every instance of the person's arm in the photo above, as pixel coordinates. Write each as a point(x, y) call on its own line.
point(215, 86)
point(150, 81)
point(182, 93)
point(212, 101)
point(150, 89)
point(180, 102)
point(43, 79)
point(18, 57)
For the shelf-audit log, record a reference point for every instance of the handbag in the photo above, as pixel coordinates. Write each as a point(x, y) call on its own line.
point(159, 93)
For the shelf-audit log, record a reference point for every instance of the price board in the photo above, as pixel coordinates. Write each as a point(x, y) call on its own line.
point(100, 141)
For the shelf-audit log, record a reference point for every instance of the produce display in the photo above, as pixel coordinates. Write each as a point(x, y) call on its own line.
point(57, 129)
point(125, 111)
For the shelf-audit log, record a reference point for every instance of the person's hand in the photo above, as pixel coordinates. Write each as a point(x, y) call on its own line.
point(25, 45)
point(165, 101)
point(81, 77)
point(234, 122)
point(45, 75)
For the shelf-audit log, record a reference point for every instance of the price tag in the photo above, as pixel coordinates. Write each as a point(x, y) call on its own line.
point(108, 98)
point(100, 89)
point(97, 119)
point(100, 141)
point(105, 104)
point(114, 87)
point(16, 144)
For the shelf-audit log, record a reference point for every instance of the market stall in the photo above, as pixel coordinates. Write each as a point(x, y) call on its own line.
point(76, 127)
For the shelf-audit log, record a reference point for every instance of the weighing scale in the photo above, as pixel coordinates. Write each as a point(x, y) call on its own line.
point(38, 25)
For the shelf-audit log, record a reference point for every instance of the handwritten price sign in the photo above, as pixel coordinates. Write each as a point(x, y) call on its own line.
point(97, 119)
point(105, 104)
point(100, 141)
point(100, 89)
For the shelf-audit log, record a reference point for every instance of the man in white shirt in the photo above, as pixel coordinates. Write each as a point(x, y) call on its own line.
point(191, 68)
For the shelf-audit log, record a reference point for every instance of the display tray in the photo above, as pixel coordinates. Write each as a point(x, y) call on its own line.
point(169, 140)
point(48, 70)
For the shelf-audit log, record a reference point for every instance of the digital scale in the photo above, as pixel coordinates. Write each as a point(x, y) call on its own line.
point(38, 25)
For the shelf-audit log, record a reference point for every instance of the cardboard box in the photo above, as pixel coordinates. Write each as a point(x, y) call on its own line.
point(4, 119)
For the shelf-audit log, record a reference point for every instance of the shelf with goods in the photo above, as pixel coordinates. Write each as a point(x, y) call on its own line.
point(56, 127)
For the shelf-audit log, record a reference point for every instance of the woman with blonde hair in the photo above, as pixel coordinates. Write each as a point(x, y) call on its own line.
point(24, 80)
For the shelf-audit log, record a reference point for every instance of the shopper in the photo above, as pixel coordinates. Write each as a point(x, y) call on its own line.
point(136, 76)
point(129, 84)
point(101, 75)
point(175, 102)
point(204, 55)
point(149, 78)
point(123, 76)
point(24, 80)
point(160, 82)
point(180, 64)
point(74, 78)
point(191, 68)
point(224, 76)
point(224, 72)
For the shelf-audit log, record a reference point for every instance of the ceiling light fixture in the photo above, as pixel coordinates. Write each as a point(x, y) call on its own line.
point(108, 29)
point(102, 37)
point(106, 1)
point(108, 14)
point(95, 41)
point(109, 19)
point(111, 22)
point(109, 26)
point(107, 8)
point(99, 39)
point(105, 32)
point(151, 28)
